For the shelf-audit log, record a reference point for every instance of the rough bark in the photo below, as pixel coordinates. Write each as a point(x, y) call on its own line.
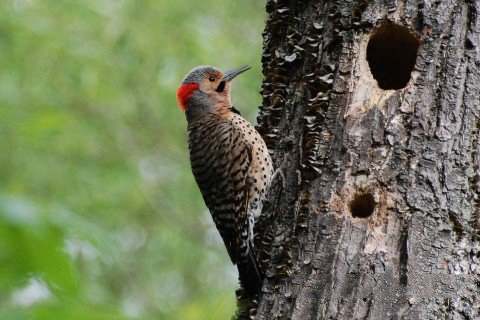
point(378, 213)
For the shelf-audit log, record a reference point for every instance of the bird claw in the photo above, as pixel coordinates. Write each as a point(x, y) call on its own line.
point(279, 172)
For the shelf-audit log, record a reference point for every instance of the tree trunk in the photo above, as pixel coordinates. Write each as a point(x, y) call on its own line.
point(372, 111)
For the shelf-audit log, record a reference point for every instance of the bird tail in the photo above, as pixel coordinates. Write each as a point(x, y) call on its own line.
point(250, 275)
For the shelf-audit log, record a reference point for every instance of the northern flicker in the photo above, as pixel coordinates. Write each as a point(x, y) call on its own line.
point(230, 162)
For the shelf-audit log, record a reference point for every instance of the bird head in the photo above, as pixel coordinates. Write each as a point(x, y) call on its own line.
point(206, 89)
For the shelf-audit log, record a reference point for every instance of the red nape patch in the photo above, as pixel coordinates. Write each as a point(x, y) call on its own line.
point(184, 93)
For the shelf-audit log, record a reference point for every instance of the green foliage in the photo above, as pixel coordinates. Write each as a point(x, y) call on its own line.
point(100, 217)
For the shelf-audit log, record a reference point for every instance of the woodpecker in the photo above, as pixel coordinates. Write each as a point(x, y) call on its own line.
point(230, 163)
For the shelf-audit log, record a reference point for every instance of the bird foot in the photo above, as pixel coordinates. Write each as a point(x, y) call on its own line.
point(279, 173)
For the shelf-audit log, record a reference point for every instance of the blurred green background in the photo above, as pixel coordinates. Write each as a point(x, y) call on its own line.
point(100, 217)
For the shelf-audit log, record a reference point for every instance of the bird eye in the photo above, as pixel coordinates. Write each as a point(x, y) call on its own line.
point(212, 78)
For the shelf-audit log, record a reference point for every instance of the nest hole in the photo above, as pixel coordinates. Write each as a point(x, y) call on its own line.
point(362, 205)
point(391, 55)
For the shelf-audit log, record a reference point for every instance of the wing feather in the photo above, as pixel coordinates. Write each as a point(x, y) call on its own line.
point(220, 170)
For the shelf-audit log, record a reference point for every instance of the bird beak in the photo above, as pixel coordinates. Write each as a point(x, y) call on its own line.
point(229, 75)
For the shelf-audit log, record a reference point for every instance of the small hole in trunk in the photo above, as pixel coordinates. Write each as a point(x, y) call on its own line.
point(362, 205)
point(391, 55)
